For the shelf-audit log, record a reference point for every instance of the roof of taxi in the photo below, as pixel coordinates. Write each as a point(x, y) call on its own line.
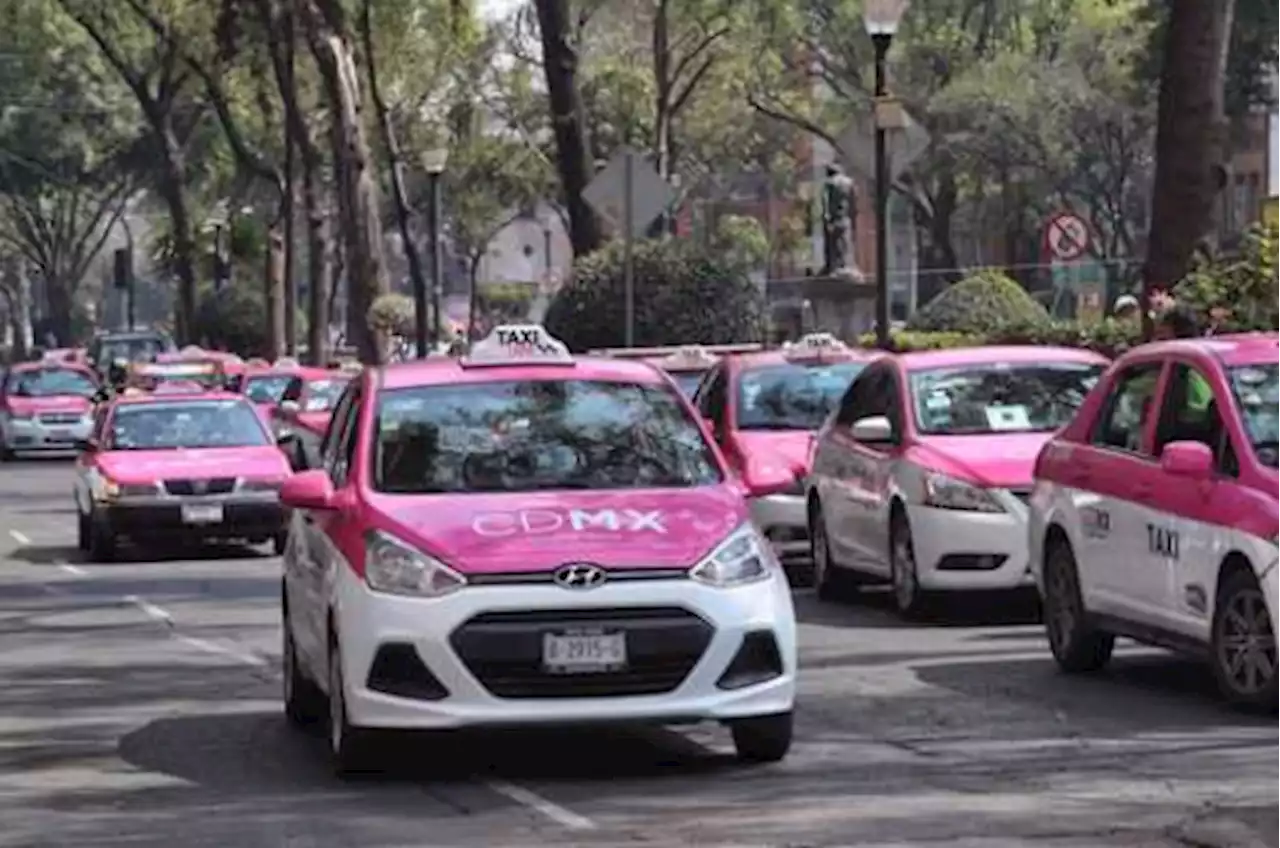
point(1244, 348)
point(186, 397)
point(309, 372)
point(433, 372)
point(917, 360)
point(50, 365)
point(782, 356)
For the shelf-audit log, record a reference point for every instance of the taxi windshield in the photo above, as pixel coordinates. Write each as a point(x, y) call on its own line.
point(1259, 399)
point(321, 395)
point(525, 436)
point(131, 348)
point(268, 388)
point(795, 396)
point(50, 382)
point(186, 424)
point(999, 397)
point(687, 381)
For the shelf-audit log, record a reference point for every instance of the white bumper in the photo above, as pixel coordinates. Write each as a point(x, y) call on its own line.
point(959, 549)
point(782, 519)
point(35, 434)
point(366, 621)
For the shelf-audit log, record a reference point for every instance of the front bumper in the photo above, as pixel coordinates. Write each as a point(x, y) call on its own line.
point(243, 516)
point(958, 549)
point(783, 520)
point(670, 625)
point(33, 434)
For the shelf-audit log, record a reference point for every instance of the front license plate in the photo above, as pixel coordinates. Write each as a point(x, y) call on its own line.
point(584, 653)
point(60, 436)
point(202, 513)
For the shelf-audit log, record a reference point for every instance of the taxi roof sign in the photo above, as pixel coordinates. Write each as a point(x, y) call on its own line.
point(690, 357)
point(814, 345)
point(286, 362)
point(518, 344)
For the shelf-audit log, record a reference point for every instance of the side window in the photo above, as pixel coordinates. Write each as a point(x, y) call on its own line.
point(711, 403)
point(858, 401)
point(1190, 413)
point(1128, 409)
point(345, 445)
point(333, 434)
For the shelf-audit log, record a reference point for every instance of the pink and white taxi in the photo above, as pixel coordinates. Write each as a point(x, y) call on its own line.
point(922, 474)
point(181, 467)
point(764, 409)
point(45, 406)
point(521, 537)
point(1155, 513)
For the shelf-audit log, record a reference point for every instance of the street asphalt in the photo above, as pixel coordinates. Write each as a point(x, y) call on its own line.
point(139, 707)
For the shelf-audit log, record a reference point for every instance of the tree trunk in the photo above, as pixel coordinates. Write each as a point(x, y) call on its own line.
point(568, 120)
point(61, 303)
point(330, 43)
point(317, 269)
point(1190, 137)
point(173, 190)
point(274, 294)
point(662, 89)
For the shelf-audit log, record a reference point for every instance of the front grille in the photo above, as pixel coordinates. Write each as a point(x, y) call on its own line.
point(213, 486)
point(59, 418)
point(504, 651)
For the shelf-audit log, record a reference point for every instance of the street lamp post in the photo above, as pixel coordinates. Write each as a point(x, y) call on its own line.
point(881, 18)
point(433, 162)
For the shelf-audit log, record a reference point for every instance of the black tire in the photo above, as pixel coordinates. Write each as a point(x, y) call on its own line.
point(278, 543)
point(304, 702)
point(350, 747)
point(762, 739)
point(829, 581)
point(102, 543)
point(1246, 674)
point(1077, 645)
point(82, 531)
point(909, 599)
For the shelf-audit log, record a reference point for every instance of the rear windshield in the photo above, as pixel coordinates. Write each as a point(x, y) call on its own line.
point(1257, 393)
point(186, 424)
point(268, 388)
point(321, 395)
point(130, 348)
point(524, 436)
point(50, 382)
point(999, 397)
point(795, 396)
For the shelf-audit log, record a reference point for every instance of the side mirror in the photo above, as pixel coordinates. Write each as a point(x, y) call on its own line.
point(308, 490)
point(874, 429)
point(1192, 460)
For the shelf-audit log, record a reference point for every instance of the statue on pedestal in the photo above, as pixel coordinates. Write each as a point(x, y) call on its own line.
point(839, 223)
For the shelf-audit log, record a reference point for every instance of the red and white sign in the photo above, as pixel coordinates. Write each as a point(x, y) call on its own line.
point(1067, 236)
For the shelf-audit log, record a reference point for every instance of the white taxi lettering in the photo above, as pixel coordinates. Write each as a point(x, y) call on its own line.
point(541, 522)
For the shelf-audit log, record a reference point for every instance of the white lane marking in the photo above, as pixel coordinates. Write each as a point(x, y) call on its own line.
point(534, 801)
point(74, 570)
point(20, 537)
point(214, 648)
point(150, 609)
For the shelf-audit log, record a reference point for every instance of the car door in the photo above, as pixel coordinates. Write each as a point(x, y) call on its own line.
point(713, 405)
point(1189, 544)
point(836, 465)
point(1110, 482)
point(867, 469)
point(307, 580)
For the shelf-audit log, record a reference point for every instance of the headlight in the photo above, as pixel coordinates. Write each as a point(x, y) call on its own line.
point(262, 484)
point(744, 557)
point(949, 493)
point(393, 567)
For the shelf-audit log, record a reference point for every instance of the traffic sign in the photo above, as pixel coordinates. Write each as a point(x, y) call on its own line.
point(650, 194)
point(1067, 236)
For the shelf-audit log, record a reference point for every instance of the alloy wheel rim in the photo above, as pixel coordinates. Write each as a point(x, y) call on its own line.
point(1247, 643)
point(904, 589)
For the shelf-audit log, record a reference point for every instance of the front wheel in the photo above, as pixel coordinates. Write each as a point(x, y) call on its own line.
point(349, 745)
point(278, 543)
point(763, 739)
point(908, 597)
point(82, 531)
point(828, 579)
point(101, 542)
point(1076, 644)
point(304, 703)
point(1244, 644)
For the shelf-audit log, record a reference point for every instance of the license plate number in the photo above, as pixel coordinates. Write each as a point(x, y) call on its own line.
point(202, 513)
point(60, 436)
point(584, 653)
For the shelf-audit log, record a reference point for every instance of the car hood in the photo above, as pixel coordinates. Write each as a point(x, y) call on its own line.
point(788, 448)
point(540, 531)
point(1000, 460)
point(146, 466)
point(48, 403)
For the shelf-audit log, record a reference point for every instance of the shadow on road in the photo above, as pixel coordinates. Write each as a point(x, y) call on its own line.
point(873, 607)
point(135, 555)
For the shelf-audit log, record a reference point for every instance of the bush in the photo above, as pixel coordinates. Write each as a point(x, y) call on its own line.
point(1236, 293)
point(681, 297)
point(233, 319)
point(1108, 337)
point(980, 303)
point(393, 314)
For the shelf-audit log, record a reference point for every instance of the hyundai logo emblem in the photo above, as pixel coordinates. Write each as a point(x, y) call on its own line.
point(579, 575)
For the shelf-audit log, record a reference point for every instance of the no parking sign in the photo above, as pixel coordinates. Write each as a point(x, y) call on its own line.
point(1067, 237)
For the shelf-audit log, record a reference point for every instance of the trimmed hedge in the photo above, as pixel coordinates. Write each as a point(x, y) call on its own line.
point(981, 303)
point(681, 297)
point(1108, 337)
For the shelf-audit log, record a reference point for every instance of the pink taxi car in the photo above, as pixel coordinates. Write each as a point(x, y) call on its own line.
point(1155, 513)
point(921, 476)
point(181, 467)
point(522, 537)
point(45, 406)
point(687, 364)
point(764, 409)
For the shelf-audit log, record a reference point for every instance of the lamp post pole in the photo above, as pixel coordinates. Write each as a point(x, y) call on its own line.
point(437, 257)
point(881, 42)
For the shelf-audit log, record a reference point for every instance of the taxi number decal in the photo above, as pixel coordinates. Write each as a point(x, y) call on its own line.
point(542, 521)
point(1162, 541)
